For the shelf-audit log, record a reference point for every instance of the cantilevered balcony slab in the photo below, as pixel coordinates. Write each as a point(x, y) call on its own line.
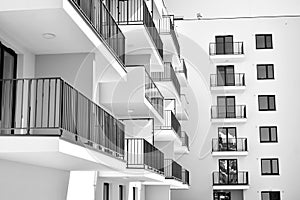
point(63, 26)
point(137, 96)
point(231, 83)
point(221, 114)
point(234, 181)
point(181, 72)
point(182, 108)
point(229, 147)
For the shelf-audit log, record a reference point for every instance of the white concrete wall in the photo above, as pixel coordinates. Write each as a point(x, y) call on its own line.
point(154, 192)
point(22, 181)
point(195, 37)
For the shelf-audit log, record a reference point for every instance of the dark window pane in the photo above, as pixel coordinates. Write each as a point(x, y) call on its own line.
point(266, 166)
point(260, 42)
point(265, 196)
point(275, 195)
point(264, 134)
point(263, 102)
point(273, 134)
point(275, 166)
point(269, 41)
point(270, 71)
point(272, 103)
point(261, 72)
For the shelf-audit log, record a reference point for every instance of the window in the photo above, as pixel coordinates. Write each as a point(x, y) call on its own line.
point(225, 75)
point(265, 71)
point(264, 41)
point(226, 107)
point(106, 191)
point(227, 140)
point(266, 102)
point(134, 193)
point(224, 44)
point(270, 195)
point(268, 134)
point(121, 192)
point(269, 166)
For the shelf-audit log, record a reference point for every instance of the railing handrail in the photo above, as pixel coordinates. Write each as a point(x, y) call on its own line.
point(237, 48)
point(240, 178)
point(239, 42)
point(52, 103)
point(175, 171)
point(239, 111)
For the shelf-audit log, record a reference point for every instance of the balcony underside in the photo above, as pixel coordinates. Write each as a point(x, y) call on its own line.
point(228, 120)
point(181, 149)
point(174, 184)
point(133, 175)
point(229, 153)
point(27, 23)
point(231, 187)
point(227, 89)
point(139, 42)
point(167, 134)
point(55, 152)
point(224, 58)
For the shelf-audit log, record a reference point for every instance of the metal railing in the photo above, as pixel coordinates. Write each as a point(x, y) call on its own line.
point(186, 176)
point(96, 14)
point(37, 106)
point(171, 123)
point(226, 48)
point(166, 26)
point(229, 144)
point(153, 95)
point(143, 155)
point(233, 178)
point(173, 170)
point(234, 79)
point(185, 139)
point(135, 12)
point(235, 111)
point(182, 68)
point(167, 75)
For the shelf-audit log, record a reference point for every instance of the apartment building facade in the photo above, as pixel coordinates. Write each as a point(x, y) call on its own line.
point(245, 145)
point(93, 96)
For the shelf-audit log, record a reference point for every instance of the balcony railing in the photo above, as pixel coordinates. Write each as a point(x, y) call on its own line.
point(224, 112)
point(185, 139)
point(234, 178)
point(143, 155)
point(166, 26)
point(186, 177)
point(229, 144)
point(233, 79)
point(167, 75)
point(182, 68)
point(135, 12)
point(226, 48)
point(40, 105)
point(171, 123)
point(173, 170)
point(99, 18)
point(153, 95)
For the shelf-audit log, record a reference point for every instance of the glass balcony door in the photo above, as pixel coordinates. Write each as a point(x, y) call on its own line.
point(226, 107)
point(225, 75)
point(227, 139)
point(224, 44)
point(8, 67)
point(228, 171)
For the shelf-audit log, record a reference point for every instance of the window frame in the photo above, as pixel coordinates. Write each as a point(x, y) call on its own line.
point(106, 189)
point(270, 134)
point(266, 71)
point(265, 41)
point(121, 192)
point(268, 102)
point(271, 166)
point(270, 192)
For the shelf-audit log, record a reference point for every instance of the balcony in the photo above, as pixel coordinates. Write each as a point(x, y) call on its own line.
point(172, 170)
point(228, 83)
point(229, 147)
point(99, 18)
point(168, 34)
point(47, 116)
point(143, 155)
point(228, 114)
point(136, 97)
point(137, 23)
point(185, 177)
point(223, 181)
point(167, 81)
point(184, 147)
point(170, 130)
point(182, 109)
point(181, 72)
point(226, 51)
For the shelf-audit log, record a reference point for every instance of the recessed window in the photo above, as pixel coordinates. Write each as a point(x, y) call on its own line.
point(121, 192)
point(265, 71)
point(264, 41)
point(270, 195)
point(106, 191)
point(266, 102)
point(269, 166)
point(268, 134)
